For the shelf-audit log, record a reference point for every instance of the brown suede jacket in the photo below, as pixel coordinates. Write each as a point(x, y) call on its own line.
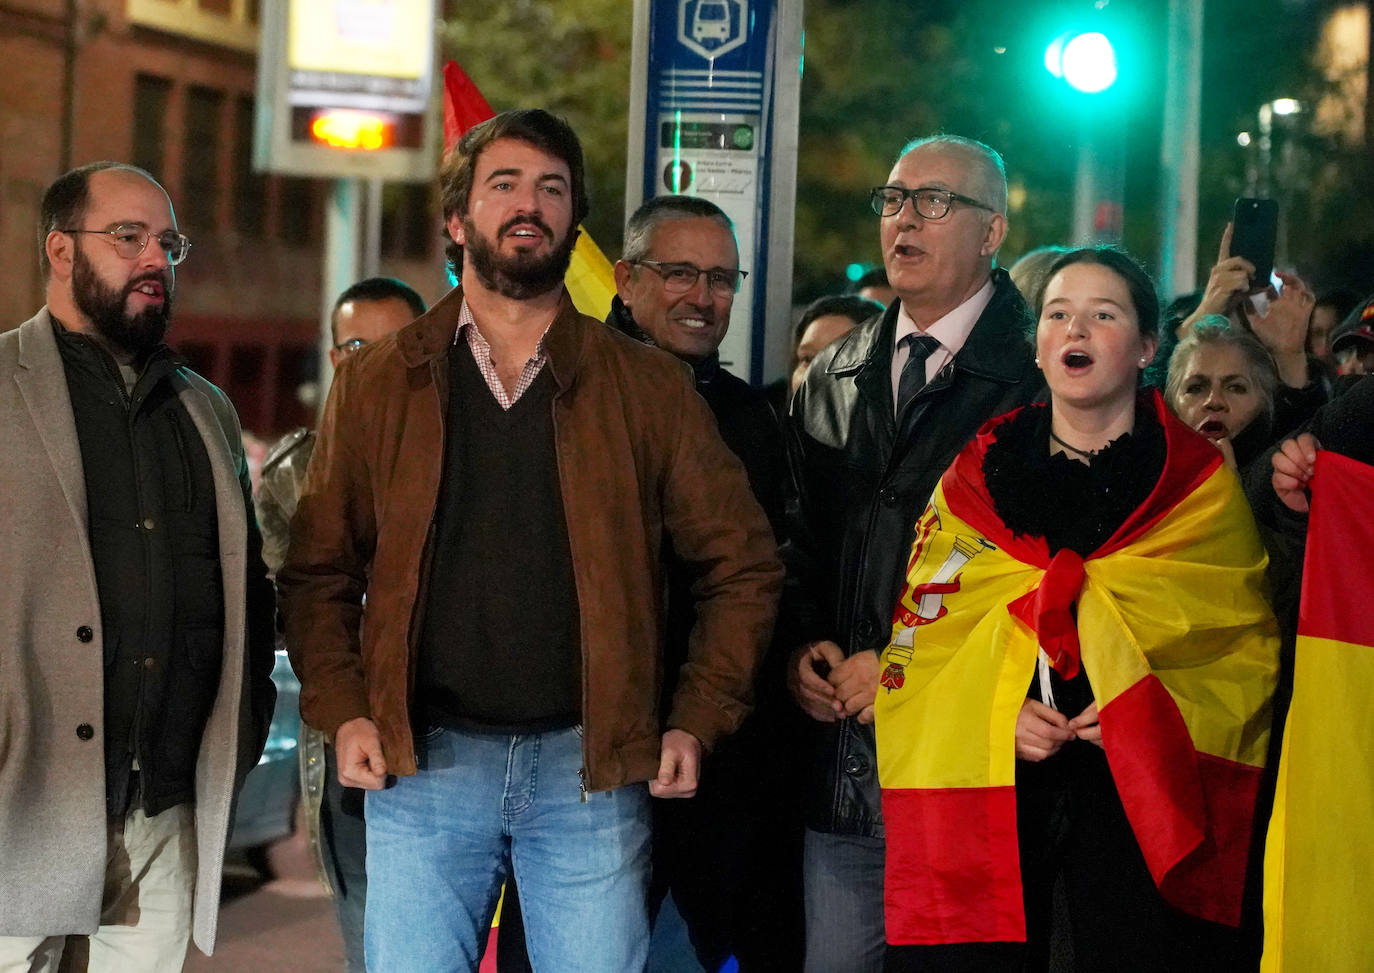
point(638, 454)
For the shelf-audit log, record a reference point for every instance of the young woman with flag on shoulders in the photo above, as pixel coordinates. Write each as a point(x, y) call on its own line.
point(1078, 682)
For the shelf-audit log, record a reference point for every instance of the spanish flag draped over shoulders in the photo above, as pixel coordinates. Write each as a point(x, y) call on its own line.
point(1175, 632)
point(1318, 895)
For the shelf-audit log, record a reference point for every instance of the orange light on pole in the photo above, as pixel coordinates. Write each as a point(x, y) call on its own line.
point(347, 129)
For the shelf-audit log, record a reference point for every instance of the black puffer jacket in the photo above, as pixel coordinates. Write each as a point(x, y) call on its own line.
point(861, 484)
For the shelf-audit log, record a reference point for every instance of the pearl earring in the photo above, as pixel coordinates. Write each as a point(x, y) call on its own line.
point(1037, 361)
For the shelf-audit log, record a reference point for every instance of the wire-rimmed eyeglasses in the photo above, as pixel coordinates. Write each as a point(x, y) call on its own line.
point(131, 239)
point(679, 278)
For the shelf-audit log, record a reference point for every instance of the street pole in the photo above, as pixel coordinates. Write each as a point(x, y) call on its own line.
point(1085, 190)
point(776, 346)
point(1099, 181)
point(340, 264)
point(1179, 150)
point(372, 230)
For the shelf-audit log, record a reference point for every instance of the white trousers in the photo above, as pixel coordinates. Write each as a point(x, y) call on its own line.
point(145, 910)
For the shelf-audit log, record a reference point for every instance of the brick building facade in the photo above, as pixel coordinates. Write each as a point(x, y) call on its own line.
point(169, 85)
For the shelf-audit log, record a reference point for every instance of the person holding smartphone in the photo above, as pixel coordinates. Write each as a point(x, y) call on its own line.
point(1278, 315)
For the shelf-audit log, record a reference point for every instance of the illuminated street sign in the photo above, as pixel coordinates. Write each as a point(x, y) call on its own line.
point(346, 89)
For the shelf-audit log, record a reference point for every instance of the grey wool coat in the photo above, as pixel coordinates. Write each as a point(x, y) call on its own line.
point(52, 777)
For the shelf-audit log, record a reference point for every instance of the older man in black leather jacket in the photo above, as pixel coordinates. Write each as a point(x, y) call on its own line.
point(881, 415)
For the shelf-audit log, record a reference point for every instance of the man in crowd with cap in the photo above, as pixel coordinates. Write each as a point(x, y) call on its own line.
point(1353, 345)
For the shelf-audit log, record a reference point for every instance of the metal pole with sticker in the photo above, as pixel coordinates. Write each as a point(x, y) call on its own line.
point(714, 93)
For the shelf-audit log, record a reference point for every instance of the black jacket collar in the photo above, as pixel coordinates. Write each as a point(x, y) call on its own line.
point(1005, 319)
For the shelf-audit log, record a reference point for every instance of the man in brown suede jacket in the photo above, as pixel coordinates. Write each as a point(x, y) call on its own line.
point(499, 492)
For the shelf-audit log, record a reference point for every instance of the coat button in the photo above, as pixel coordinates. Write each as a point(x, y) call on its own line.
point(855, 765)
point(890, 497)
point(84, 633)
point(866, 629)
point(84, 731)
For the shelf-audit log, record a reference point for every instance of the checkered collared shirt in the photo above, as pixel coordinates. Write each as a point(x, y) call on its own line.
point(481, 353)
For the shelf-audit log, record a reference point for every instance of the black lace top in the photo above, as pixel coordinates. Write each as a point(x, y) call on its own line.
point(1069, 503)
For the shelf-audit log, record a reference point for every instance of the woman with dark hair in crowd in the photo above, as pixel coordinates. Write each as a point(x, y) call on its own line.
point(1079, 674)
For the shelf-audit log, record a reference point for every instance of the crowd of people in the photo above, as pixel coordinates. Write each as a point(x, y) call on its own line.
point(965, 646)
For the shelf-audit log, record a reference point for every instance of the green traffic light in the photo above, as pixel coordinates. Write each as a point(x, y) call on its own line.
point(1090, 63)
point(1086, 61)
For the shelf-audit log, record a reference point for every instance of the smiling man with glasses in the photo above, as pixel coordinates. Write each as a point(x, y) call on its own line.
point(136, 619)
point(881, 414)
point(728, 857)
point(677, 279)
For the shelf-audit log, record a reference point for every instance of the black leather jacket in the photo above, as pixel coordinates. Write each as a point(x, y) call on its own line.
point(861, 484)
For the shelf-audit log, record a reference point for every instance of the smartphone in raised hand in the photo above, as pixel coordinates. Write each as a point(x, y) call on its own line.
point(1255, 228)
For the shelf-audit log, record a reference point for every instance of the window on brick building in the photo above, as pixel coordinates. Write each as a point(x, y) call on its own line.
point(200, 183)
point(250, 188)
point(409, 224)
point(151, 94)
point(296, 210)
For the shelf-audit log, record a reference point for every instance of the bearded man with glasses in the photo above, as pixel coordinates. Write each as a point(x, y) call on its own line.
point(881, 414)
point(136, 619)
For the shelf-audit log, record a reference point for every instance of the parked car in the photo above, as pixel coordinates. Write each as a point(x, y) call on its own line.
point(267, 805)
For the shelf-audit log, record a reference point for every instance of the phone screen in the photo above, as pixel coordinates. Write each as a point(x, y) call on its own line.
point(1255, 227)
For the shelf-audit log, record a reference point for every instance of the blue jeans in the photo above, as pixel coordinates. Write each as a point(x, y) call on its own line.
point(437, 843)
point(844, 903)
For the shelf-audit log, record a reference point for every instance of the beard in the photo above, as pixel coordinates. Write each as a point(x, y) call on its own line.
point(136, 334)
point(522, 275)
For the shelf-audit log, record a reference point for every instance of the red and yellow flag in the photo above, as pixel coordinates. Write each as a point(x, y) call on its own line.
point(1182, 648)
point(1318, 894)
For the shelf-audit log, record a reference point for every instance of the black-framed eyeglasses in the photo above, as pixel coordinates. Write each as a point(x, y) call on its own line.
point(930, 203)
point(679, 278)
point(131, 239)
point(350, 346)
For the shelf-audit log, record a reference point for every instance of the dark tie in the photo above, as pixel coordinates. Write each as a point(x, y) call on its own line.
point(913, 379)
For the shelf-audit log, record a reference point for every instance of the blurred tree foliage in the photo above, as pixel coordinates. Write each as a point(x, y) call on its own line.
point(880, 72)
